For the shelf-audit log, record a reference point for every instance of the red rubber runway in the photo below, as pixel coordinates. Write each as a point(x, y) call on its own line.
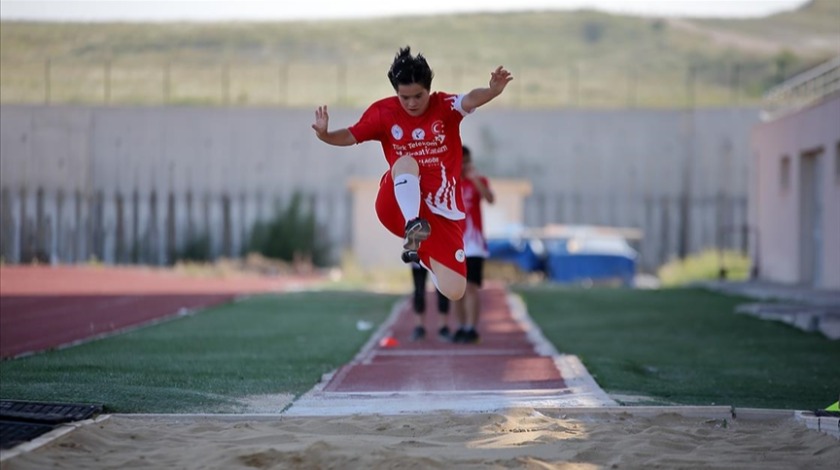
point(504, 359)
point(512, 366)
point(46, 307)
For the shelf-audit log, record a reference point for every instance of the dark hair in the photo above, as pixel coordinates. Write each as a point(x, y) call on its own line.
point(465, 153)
point(407, 69)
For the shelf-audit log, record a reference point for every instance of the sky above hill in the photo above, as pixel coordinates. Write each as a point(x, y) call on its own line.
point(246, 10)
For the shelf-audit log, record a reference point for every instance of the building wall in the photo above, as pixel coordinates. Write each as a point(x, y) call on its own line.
point(781, 151)
point(136, 184)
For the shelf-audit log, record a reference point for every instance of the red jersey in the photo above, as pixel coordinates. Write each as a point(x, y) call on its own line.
point(433, 140)
point(474, 241)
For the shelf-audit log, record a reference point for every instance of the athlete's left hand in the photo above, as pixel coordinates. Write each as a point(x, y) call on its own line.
point(499, 79)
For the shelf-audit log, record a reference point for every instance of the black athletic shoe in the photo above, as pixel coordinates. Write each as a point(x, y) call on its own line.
point(418, 333)
point(416, 230)
point(459, 336)
point(471, 336)
point(444, 334)
point(410, 257)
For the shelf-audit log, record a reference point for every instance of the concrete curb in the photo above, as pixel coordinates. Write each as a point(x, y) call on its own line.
point(49, 437)
point(824, 424)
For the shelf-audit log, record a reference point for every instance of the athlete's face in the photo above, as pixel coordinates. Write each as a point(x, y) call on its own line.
point(413, 98)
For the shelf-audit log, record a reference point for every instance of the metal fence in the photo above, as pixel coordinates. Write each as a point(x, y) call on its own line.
point(582, 84)
point(803, 90)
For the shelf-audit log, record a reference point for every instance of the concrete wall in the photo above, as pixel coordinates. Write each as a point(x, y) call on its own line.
point(134, 184)
point(795, 196)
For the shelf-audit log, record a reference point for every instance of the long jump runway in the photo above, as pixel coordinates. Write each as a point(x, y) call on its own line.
point(50, 307)
point(513, 366)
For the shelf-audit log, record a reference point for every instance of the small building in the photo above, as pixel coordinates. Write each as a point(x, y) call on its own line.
point(794, 196)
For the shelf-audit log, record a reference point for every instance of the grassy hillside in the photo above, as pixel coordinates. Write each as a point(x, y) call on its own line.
point(581, 58)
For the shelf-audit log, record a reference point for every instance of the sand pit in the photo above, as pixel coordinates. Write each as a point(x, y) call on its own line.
point(517, 438)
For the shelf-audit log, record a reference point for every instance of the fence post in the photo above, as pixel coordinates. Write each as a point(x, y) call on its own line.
point(47, 84)
point(736, 85)
point(690, 86)
point(107, 82)
point(457, 75)
point(226, 83)
point(166, 83)
point(283, 84)
point(341, 82)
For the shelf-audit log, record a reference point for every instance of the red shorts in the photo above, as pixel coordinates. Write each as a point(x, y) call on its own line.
point(446, 241)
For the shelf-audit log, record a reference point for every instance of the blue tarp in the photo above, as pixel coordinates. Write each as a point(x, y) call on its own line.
point(518, 252)
point(575, 268)
point(570, 260)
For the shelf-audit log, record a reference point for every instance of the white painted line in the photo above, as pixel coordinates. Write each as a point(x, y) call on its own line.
point(456, 351)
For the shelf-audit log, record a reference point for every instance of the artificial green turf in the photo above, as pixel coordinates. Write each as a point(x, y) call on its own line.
point(205, 362)
point(674, 345)
point(687, 346)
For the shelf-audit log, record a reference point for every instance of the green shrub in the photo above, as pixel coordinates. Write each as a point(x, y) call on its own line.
point(197, 248)
point(705, 266)
point(291, 235)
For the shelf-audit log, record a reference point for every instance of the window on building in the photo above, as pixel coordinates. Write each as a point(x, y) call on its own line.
point(784, 173)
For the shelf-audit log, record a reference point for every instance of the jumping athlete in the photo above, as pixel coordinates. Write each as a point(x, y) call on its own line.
point(419, 197)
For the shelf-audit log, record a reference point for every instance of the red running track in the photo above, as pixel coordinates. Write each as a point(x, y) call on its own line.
point(48, 307)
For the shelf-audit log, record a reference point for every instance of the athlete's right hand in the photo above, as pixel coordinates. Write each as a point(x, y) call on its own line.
point(322, 121)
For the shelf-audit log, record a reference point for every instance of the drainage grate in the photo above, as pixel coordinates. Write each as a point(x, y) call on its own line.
point(13, 433)
point(22, 421)
point(46, 413)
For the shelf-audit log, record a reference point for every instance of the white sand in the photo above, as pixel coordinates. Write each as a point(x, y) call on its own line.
point(518, 438)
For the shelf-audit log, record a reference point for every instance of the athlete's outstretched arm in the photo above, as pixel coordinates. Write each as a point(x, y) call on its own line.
point(482, 188)
point(499, 79)
point(341, 137)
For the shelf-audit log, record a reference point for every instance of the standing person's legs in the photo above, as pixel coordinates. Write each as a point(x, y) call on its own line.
point(418, 301)
point(443, 316)
point(418, 275)
point(461, 319)
point(468, 309)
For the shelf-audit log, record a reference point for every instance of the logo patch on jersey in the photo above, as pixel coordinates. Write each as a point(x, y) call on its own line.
point(418, 134)
point(437, 130)
point(397, 132)
point(460, 256)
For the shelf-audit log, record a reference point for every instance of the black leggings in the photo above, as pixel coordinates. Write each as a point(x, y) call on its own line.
point(419, 301)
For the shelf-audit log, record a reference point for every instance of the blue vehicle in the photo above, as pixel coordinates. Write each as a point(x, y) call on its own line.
point(585, 255)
